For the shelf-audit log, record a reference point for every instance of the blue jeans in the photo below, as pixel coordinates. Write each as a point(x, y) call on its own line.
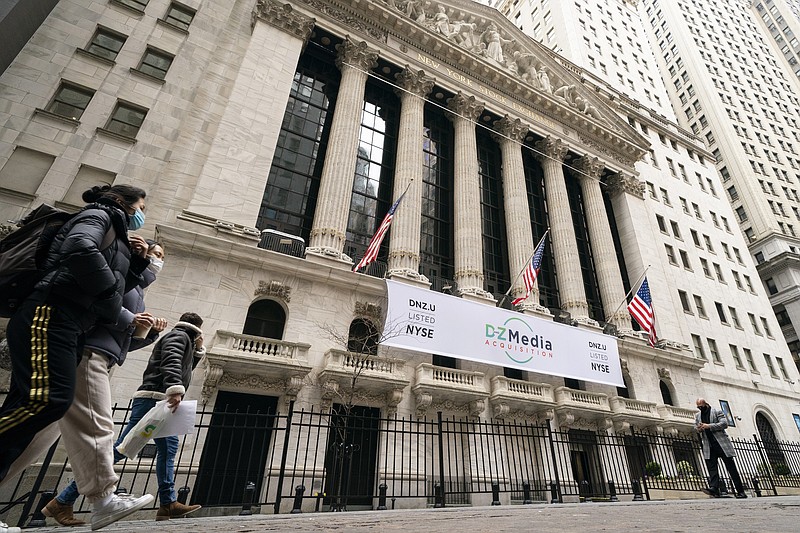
point(166, 450)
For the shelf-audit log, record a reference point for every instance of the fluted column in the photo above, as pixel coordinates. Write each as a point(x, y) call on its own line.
point(336, 182)
point(562, 232)
point(518, 216)
point(405, 241)
point(612, 292)
point(467, 198)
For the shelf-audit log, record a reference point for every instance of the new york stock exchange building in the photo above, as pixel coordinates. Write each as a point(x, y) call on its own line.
point(273, 138)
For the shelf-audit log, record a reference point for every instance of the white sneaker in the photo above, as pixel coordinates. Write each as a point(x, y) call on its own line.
point(5, 528)
point(119, 507)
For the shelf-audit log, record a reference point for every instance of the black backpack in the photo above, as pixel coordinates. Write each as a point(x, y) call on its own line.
point(23, 254)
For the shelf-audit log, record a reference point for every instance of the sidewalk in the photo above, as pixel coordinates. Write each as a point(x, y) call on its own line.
point(769, 514)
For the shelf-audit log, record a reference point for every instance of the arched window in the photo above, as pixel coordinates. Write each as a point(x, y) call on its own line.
point(265, 318)
point(363, 337)
point(771, 445)
point(627, 390)
point(666, 394)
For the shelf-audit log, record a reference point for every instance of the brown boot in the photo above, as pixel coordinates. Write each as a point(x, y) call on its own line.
point(175, 510)
point(62, 513)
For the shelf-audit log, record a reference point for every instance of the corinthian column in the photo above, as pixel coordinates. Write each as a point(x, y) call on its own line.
point(565, 247)
point(336, 182)
point(518, 215)
point(405, 241)
point(467, 198)
point(612, 292)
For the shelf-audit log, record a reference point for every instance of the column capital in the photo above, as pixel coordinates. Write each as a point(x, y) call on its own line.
point(465, 106)
point(512, 128)
point(415, 81)
point(357, 54)
point(283, 17)
point(588, 167)
point(551, 148)
point(624, 183)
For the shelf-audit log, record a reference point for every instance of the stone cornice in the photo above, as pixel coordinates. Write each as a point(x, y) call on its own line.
point(248, 255)
point(284, 17)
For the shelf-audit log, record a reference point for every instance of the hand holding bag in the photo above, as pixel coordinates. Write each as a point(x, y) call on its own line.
point(149, 427)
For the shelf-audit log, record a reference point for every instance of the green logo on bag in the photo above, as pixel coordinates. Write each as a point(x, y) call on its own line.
point(148, 430)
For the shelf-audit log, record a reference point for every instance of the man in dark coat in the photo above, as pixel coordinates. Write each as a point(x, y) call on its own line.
point(711, 424)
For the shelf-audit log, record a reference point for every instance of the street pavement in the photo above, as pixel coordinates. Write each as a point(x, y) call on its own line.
point(769, 514)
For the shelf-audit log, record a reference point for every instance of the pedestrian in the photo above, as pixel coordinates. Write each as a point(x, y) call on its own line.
point(107, 345)
point(711, 424)
point(167, 376)
point(90, 265)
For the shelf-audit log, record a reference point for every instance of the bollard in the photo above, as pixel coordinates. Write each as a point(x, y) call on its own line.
point(612, 491)
point(393, 500)
point(438, 493)
point(526, 493)
point(584, 489)
point(247, 499)
point(756, 488)
point(554, 498)
point(637, 491)
point(183, 494)
point(382, 496)
point(298, 499)
point(38, 519)
point(495, 493)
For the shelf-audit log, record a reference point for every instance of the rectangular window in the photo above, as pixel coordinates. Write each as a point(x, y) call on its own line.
point(155, 63)
point(737, 359)
point(25, 170)
point(770, 366)
point(126, 119)
point(138, 5)
point(765, 324)
point(735, 317)
point(70, 100)
point(701, 309)
point(753, 323)
point(685, 260)
point(721, 313)
point(698, 347)
point(86, 178)
point(750, 361)
point(665, 197)
point(675, 230)
point(179, 16)
point(671, 254)
point(687, 308)
point(714, 351)
point(106, 43)
point(782, 368)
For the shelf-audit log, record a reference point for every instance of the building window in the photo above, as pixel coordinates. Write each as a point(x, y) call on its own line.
point(106, 43)
point(155, 63)
point(126, 119)
point(750, 361)
point(698, 347)
point(754, 324)
point(70, 100)
point(25, 170)
point(734, 317)
point(179, 15)
point(86, 178)
point(737, 359)
point(771, 287)
point(495, 256)
point(714, 351)
point(721, 313)
point(701, 309)
point(265, 318)
point(782, 368)
point(137, 5)
point(765, 325)
point(363, 337)
point(687, 308)
point(671, 254)
point(770, 366)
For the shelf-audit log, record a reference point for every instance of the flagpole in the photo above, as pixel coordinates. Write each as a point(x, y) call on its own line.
point(357, 268)
point(634, 286)
point(503, 299)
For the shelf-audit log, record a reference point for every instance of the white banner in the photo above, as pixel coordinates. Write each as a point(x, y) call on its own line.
point(426, 321)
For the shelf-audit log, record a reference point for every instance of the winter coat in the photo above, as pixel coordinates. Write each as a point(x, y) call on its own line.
point(115, 341)
point(718, 422)
point(169, 369)
point(86, 282)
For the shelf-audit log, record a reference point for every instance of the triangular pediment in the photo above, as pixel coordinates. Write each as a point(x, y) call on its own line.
point(479, 40)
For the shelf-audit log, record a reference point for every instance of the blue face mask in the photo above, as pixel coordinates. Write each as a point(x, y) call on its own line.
point(136, 220)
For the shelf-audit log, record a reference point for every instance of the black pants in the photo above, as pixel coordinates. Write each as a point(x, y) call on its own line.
point(44, 344)
point(713, 469)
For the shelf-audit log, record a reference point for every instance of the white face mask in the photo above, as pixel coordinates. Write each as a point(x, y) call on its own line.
point(155, 265)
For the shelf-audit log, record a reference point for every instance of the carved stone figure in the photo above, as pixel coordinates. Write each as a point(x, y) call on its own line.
point(463, 33)
point(494, 43)
point(413, 10)
point(568, 93)
point(586, 108)
point(441, 22)
point(544, 80)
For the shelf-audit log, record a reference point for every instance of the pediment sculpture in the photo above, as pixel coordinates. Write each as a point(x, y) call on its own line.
point(490, 43)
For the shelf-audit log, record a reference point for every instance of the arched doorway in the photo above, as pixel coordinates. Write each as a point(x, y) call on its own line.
point(363, 337)
point(265, 318)
point(771, 445)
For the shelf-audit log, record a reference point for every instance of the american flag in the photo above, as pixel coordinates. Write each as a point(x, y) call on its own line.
point(375, 243)
point(531, 271)
point(641, 309)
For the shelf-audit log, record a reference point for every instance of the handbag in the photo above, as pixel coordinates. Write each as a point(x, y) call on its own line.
point(149, 427)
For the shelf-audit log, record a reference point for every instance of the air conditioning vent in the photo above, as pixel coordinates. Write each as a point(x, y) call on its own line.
point(283, 243)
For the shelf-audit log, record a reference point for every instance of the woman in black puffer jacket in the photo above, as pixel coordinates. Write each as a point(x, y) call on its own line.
point(92, 264)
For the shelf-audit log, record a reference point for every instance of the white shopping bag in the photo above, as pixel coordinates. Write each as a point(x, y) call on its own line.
point(159, 421)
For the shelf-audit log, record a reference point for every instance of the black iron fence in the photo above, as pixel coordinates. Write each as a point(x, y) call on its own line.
point(352, 458)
